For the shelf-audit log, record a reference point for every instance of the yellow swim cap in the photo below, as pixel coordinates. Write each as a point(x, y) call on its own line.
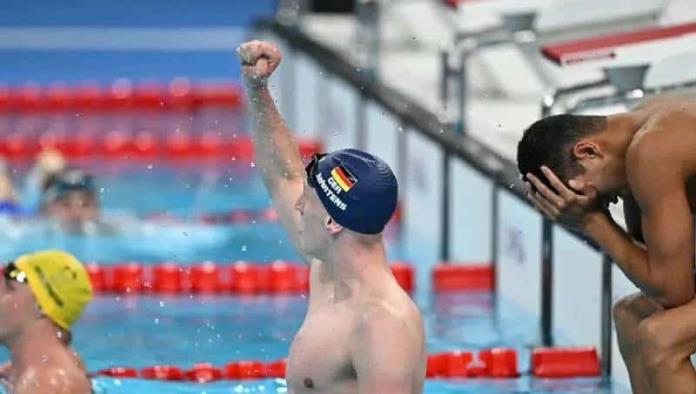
point(59, 282)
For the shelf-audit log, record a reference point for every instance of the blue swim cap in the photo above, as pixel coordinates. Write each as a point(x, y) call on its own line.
point(358, 189)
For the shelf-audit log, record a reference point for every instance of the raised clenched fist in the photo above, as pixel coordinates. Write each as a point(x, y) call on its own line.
point(259, 59)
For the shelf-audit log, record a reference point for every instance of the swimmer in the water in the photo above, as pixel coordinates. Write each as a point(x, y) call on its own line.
point(575, 166)
point(49, 162)
point(41, 295)
point(8, 194)
point(70, 199)
point(362, 332)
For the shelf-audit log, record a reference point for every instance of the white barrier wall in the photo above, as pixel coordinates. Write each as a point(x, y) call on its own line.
point(310, 87)
point(382, 136)
point(339, 127)
point(576, 292)
point(470, 207)
point(422, 220)
point(518, 270)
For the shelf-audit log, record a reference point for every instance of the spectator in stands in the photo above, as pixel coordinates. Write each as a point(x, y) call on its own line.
point(574, 166)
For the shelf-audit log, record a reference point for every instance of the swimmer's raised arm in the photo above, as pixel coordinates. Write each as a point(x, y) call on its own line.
point(277, 153)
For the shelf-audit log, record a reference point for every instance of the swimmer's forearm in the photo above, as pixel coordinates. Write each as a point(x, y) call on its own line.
point(629, 255)
point(277, 154)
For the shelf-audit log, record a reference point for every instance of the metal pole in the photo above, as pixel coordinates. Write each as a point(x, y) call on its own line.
point(607, 301)
point(546, 283)
point(494, 241)
point(445, 208)
point(369, 35)
point(462, 90)
point(444, 78)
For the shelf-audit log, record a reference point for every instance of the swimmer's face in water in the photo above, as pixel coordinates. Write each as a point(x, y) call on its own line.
point(317, 229)
point(74, 208)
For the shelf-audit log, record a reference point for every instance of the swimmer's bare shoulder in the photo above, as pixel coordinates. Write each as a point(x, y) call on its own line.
point(387, 348)
point(52, 380)
point(667, 140)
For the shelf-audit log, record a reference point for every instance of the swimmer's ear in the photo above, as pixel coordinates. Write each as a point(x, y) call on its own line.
point(333, 227)
point(586, 149)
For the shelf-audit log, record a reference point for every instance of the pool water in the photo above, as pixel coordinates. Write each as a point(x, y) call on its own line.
point(143, 330)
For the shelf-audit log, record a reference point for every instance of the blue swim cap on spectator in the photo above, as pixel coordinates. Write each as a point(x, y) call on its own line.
point(358, 189)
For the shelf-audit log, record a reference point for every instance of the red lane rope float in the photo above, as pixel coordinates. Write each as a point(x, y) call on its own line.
point(162, 372)
point(118, 372)
point(454, 276)
point(140, 145)
point(495, 363)
point(234, 216)
point(123, 94)
point(203, 373)
point(565, 362)
point(499, 362)
point(247, 369)
point(278, 277)
point(490, 363)
point(127, 278)
point(276, 369)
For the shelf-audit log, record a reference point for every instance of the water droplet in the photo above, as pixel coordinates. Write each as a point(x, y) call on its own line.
point(156, 320)
point(253, 164)
point(101, 190)
point(161, 304)
point(244, 248)
point(149, 166)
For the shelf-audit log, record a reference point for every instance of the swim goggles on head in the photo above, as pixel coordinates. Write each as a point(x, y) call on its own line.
point(312, 168)
point(11, 272)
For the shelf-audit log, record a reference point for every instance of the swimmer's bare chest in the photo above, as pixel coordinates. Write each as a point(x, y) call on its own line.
point(320, 360)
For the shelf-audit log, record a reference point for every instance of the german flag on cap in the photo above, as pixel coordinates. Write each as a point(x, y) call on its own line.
point(343, 177)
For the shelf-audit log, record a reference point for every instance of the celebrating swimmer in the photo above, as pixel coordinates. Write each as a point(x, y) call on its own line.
point(575, 166)
point(41, 295)
point(362, 332)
